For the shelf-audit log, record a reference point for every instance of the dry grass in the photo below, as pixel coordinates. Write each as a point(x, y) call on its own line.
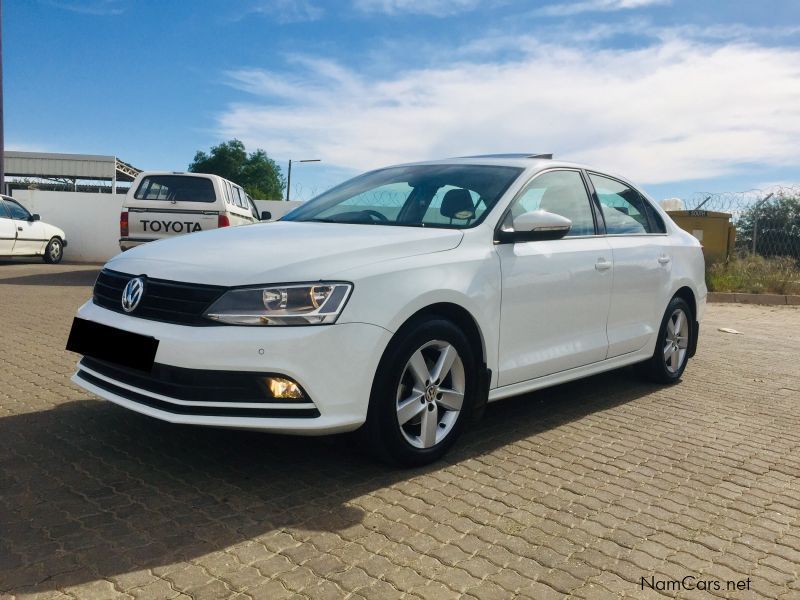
point(755, 275)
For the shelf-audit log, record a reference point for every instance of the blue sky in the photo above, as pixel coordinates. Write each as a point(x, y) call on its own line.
point(681, 96)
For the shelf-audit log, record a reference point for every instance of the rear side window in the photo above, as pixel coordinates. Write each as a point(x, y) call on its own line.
point(656, 222)
point(238, 197)
point(624, 210)
point(3, 210)
point(176, 188)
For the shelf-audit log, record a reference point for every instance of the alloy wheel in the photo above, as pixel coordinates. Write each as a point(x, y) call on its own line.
point(55, 250)
point(431, 394)
point(676, 341)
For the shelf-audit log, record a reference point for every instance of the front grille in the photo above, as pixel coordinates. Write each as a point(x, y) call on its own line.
point(162, 300)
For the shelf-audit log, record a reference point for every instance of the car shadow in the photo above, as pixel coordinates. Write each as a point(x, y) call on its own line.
point(89, 490)
point(78, 277)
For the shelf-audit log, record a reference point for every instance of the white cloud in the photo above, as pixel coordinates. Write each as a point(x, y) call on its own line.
point(674, 110)
point(91, 7)
point(287, 11)
point(438, 8)
point(574, 8)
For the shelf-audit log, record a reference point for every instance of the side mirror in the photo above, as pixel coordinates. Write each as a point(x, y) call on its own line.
point(535, 225)
point(34, 217)
point(266, 215)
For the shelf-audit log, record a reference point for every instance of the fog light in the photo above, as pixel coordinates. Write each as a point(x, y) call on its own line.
point(284, 388)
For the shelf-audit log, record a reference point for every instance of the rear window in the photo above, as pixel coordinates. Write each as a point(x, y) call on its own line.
point(176, 188)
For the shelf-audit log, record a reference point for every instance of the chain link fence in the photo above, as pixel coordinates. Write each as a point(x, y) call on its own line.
point(767, 221)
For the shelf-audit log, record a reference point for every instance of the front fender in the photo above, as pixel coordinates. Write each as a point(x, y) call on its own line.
point(388, 294)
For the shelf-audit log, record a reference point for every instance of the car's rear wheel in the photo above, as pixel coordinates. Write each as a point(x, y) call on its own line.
point(423, 393)
point(54, 251)
point(674, 341)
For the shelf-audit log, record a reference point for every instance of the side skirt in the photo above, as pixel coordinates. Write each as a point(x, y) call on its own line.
point(523, 387)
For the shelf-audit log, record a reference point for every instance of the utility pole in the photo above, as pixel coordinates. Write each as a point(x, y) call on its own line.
point(289, 172)
point(755, 218)
point(2, 144)
point(289, 180)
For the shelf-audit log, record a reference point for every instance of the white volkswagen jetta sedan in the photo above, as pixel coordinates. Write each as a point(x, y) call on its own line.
point(398, 304)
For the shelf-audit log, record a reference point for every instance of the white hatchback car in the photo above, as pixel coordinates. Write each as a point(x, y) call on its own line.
point(398, 304)
point(23, 234)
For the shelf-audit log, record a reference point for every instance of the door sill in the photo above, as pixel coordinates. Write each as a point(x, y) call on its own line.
point(609, 364)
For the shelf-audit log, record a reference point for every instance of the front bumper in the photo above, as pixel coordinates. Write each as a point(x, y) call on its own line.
point(334, 364)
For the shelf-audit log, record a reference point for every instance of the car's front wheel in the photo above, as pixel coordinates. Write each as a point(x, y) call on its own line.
point(54, 251)
point(672, 347)
point(423, 394)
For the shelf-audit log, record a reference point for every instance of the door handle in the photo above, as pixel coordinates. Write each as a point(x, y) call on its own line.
point(19, 228)
point(664, 259)
point(602, 264)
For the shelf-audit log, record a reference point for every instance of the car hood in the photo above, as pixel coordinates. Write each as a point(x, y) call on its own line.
point(280, 252)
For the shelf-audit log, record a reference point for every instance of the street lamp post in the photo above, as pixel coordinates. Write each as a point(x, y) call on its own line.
point(2, 145)
point(289, 174)
point(755, 218)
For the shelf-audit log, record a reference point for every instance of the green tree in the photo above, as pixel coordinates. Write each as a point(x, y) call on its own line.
point(257, 173)
point(778, 227)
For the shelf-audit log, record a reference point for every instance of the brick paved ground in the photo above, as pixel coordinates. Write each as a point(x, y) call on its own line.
point(580, 490)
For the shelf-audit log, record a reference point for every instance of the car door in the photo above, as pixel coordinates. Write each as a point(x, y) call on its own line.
point(641, 265)
point(555, 293)
point(8, 231)
point(30, 233)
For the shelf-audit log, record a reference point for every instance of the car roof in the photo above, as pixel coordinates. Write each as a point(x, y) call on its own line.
point(531, 162)
point(523, 160)
point(144, 174)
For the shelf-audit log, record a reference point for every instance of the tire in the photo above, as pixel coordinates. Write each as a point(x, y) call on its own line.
point(671, 353)
point(54, 251)
point(412, 420)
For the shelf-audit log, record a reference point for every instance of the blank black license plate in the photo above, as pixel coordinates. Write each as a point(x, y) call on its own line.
point(113, 345)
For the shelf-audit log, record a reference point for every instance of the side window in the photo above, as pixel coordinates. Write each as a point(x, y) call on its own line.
point(656, 222)
point(239, 195)
point(561, 193)
point(17, 211)
point(253, 208)
point(623, 208)
point(3, 210)
point(228, 192)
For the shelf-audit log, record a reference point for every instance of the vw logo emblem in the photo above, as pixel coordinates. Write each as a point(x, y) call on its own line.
point(132, 294)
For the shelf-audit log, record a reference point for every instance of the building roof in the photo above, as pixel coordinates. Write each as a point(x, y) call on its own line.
point(70, 166)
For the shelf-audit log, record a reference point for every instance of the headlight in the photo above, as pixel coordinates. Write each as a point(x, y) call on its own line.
point(296, 304)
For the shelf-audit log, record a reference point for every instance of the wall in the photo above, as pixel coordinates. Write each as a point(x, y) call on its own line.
point(91, 221)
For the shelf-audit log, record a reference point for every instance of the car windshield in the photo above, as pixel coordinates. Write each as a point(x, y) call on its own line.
point(449, 196)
